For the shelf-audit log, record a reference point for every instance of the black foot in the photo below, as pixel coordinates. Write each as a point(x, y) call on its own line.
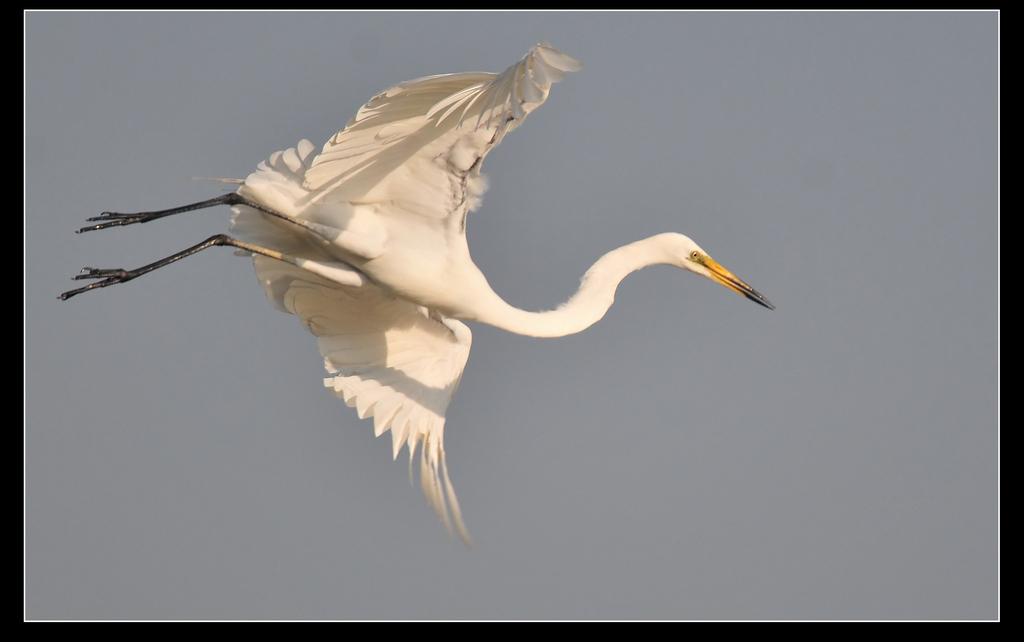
point(111, 219)
point(109, 276)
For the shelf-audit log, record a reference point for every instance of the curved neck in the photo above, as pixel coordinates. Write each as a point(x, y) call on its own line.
point(588, 305)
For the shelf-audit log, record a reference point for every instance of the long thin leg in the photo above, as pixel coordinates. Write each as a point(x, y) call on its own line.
point(323, 234)
point(113, 219)
point(337, 272)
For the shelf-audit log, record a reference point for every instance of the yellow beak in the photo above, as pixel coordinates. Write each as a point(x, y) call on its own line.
point(726, 278)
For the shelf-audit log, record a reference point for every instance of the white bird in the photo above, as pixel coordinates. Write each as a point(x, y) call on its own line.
point(366, 243)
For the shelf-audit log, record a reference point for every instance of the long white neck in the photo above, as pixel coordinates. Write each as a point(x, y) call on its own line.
point(591, 301)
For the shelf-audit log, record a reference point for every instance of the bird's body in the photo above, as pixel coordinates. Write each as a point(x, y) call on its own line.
point(366, 243)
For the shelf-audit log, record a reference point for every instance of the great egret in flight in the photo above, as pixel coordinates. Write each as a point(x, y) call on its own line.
point(366, 243)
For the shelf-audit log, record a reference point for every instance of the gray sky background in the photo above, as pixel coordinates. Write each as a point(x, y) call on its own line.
point(692, 455)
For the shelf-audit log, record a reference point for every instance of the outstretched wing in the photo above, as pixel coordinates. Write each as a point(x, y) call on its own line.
point(418, 145)
point(415, 148)
point(387, 358)
point(390, 359)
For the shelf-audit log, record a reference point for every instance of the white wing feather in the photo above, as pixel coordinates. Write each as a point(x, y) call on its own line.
point(416, 147)
point(390, 359)
point(412, 141)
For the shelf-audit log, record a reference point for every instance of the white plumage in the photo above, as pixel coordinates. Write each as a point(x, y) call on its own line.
point(410, 155)
point(365, 243)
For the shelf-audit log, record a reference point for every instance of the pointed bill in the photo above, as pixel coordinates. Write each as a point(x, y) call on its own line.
point(726, 278)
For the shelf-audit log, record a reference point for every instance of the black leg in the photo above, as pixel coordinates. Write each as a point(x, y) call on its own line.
point(112, 219)
point(117, 275)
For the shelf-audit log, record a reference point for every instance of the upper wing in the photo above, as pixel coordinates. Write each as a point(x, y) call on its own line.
point(418, 145)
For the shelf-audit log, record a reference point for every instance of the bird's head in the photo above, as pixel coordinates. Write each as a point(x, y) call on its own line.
point(688, 255)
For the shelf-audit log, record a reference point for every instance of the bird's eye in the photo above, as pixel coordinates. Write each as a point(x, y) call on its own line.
point(694, 255)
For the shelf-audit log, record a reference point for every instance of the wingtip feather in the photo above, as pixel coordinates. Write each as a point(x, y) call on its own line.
point(556, 58)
